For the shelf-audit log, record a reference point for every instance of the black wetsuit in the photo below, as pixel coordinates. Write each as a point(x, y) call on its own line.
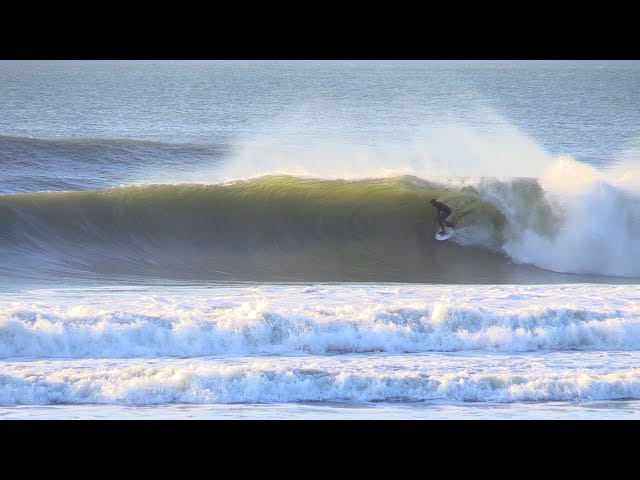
point(443, 212)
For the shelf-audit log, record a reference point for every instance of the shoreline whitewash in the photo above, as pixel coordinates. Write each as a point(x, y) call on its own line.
point(361, 351)
point(253, 239)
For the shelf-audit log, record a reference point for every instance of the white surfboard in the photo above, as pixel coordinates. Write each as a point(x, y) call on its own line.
point(450, 231)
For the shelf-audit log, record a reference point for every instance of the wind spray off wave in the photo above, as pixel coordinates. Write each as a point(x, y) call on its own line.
point(255, 239)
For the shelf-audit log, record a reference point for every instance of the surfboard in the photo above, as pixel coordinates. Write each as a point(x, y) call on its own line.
point(450, 231)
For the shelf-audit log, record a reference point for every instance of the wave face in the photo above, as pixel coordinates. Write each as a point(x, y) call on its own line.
point(247, 238)
point(290, 228)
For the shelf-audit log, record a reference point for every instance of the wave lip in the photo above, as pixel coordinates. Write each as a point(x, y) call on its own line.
point(281, 228)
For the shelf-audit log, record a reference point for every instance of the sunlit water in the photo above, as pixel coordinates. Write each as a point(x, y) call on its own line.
point(134, 303)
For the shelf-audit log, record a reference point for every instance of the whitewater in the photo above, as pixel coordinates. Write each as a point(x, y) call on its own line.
point(255, 240)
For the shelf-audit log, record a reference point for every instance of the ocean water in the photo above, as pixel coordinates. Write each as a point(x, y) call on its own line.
point(254, 240)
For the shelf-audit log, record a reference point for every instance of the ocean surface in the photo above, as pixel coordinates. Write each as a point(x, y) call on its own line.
point(254, 240)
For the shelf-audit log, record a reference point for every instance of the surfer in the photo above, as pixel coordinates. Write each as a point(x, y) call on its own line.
point(443, 212)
